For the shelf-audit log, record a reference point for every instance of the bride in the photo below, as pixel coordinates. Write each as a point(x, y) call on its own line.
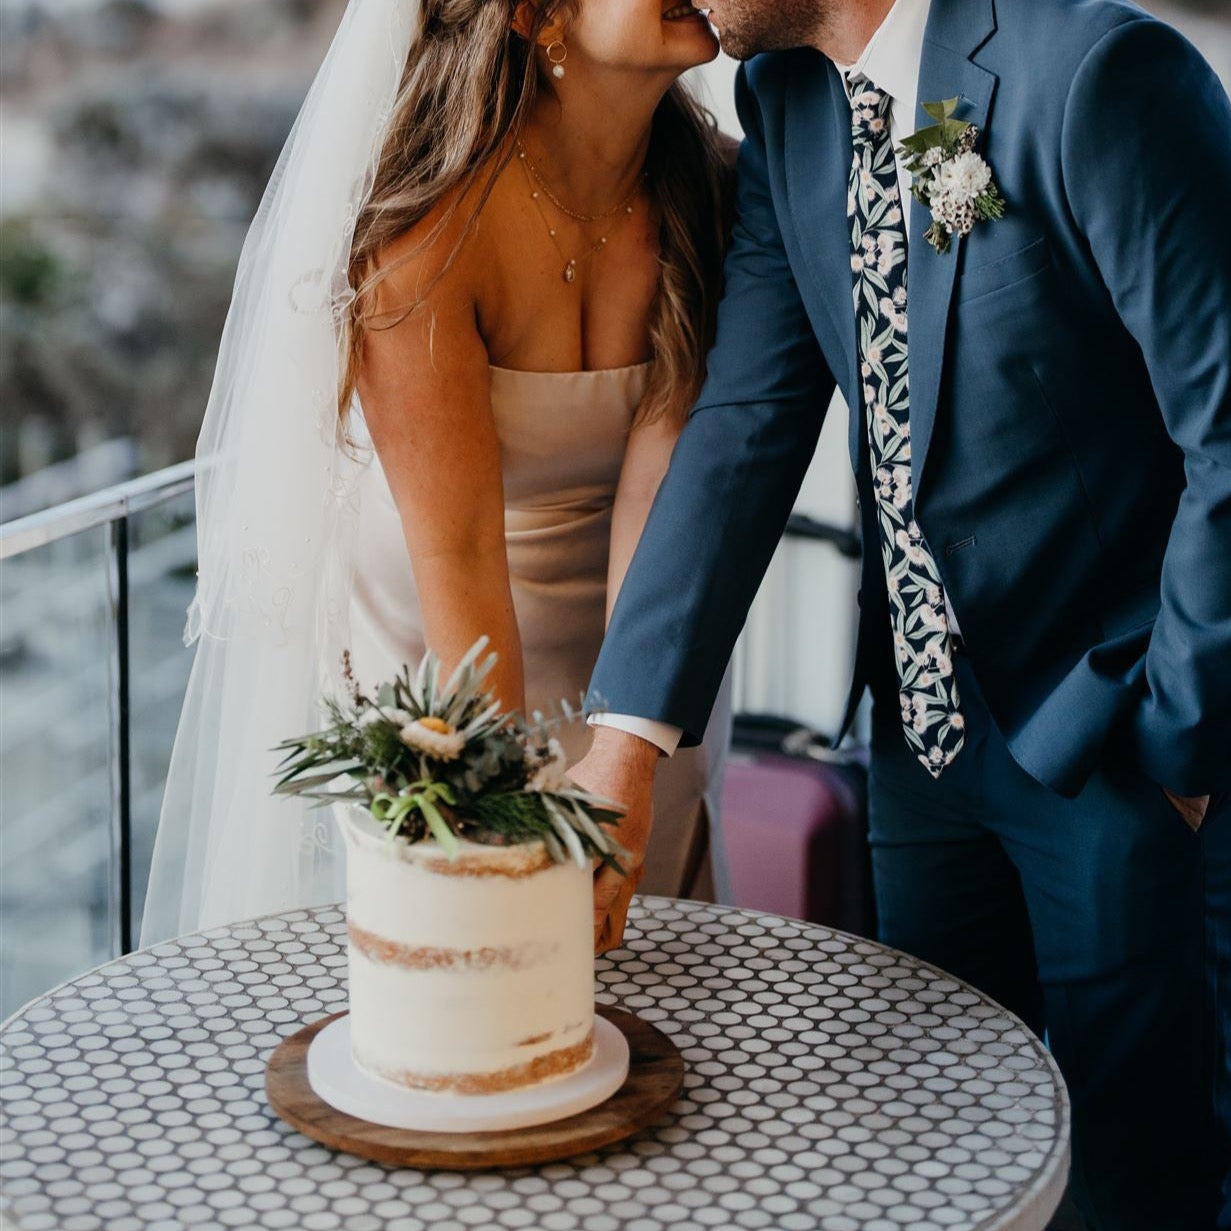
point(469, 321)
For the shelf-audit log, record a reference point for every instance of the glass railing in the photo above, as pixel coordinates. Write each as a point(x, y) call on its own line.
point(92, 675)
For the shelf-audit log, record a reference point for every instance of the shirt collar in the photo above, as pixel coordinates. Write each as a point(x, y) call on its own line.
point(891, 58)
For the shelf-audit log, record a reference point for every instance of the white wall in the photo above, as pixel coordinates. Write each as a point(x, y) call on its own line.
point(796, 652)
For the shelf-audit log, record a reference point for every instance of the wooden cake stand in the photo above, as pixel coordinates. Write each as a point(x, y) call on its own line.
point(655, 1076)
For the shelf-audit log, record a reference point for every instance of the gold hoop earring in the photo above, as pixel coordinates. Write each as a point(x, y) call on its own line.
point(557, 66)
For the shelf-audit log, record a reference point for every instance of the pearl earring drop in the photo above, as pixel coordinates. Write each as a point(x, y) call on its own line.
point(557, 63)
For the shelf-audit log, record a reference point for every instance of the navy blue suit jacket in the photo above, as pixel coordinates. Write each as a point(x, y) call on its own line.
point(1070, 391)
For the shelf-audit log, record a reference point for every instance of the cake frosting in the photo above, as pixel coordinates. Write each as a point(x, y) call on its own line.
point(467, 976)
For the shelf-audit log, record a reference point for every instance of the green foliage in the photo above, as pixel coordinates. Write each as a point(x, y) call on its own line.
point(943, 135)
point(989, 205)
point(470, 780)
point(29, 273)
point(938, 237)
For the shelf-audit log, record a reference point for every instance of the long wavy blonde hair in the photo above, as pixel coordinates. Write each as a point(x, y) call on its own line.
point(469, 85)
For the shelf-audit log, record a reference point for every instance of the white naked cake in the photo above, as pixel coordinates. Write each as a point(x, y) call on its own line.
point(468, 975)
point(469, 868)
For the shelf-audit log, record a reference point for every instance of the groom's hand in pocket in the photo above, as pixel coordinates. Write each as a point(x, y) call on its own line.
point(619, 766)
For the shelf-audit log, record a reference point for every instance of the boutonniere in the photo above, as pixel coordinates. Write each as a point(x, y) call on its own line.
point(948, 176)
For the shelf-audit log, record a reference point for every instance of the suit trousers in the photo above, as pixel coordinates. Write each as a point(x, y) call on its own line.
point(1086, 917)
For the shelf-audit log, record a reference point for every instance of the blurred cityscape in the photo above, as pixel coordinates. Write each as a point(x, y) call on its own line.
point(137, 139)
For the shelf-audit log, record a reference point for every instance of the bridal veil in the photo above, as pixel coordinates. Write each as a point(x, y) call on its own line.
point(277, 510)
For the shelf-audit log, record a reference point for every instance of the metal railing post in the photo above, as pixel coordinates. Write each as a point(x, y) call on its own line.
point(121, 752)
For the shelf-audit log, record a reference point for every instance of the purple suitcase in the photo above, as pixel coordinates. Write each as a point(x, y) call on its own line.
point(795, 837)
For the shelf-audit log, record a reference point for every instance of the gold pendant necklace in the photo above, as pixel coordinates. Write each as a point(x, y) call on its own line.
point(623, 209)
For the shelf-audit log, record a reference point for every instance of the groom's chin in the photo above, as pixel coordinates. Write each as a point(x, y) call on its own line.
point(737, 43)
point(736, 47)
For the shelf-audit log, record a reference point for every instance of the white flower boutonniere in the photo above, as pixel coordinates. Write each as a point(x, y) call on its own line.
point(949, 178)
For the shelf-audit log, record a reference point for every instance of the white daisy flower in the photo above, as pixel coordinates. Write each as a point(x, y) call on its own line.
point(434, 738)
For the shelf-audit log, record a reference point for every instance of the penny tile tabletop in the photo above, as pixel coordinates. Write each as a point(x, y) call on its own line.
point(832, 1085)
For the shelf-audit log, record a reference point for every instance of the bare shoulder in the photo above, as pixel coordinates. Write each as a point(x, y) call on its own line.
point(437, 258)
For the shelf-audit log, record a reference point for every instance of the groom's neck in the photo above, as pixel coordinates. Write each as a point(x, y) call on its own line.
point(845, 27)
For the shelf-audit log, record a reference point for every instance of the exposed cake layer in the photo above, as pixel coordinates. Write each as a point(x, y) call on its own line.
point(470, 976)
point(543, 1068)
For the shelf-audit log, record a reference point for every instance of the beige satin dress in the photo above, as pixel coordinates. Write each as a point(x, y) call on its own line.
point(562, 437)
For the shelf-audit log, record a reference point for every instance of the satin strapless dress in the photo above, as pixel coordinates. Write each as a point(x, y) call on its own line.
point(562, 437)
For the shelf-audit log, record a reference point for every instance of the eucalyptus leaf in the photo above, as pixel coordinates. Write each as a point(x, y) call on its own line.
point(440, 830)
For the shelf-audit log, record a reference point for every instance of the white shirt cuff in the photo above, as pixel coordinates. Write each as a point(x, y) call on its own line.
point(662, 734)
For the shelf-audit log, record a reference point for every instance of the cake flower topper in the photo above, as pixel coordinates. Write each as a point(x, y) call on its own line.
point(443, 762)
point(949, 178)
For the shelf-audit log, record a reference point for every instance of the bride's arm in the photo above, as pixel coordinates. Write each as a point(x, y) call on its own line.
point(646, 458)
point(425, 385)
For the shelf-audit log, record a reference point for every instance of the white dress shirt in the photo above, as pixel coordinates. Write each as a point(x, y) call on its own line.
point(891, 62)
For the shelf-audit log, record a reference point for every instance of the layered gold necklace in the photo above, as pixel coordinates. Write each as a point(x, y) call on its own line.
point(540, 188)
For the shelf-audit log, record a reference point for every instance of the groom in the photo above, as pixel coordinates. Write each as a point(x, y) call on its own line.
point(1041, 432)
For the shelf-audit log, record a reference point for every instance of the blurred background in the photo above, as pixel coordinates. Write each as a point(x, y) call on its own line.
point(136, 139)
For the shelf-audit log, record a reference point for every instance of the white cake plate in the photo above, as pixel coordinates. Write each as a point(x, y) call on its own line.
point(340, 1082)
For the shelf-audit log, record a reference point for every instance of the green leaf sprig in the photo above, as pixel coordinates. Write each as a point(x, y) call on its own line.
point(440, 760)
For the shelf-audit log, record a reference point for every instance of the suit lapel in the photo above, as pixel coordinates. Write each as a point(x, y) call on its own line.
point(818, 160)
point(956, 29)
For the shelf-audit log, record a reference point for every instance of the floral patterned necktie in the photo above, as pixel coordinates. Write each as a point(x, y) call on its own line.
point(923, 646)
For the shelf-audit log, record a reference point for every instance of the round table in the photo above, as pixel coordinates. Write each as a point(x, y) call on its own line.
point(833, 1085)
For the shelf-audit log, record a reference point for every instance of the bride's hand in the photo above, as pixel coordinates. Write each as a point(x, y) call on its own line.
point(621, 767)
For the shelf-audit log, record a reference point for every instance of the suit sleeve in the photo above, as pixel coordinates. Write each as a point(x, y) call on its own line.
point(734, 476)
point(1147, 165)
